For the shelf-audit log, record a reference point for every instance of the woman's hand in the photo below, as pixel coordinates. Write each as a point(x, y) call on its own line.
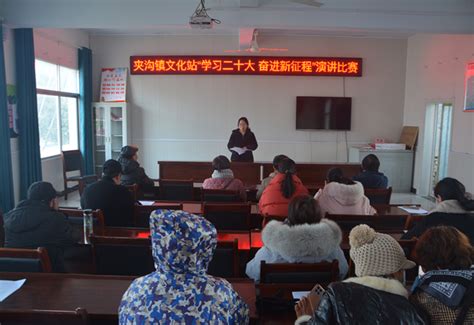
point(303, 307)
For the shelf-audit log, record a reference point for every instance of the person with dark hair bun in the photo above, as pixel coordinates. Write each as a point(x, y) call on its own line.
point(282, 188)
point(454, 207)
point(340, 195)
point(304, 237)
point(242, 142)
point(370, 176)
point(223, 178)
point(446, 256)
point(267, 180)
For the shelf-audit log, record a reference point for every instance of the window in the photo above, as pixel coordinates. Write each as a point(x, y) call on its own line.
point(58, 93)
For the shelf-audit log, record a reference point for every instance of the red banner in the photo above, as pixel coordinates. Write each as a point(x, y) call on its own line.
point(246, 65)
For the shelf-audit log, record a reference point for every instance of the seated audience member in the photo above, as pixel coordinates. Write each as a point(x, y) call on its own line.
point(370, 176)
point(180, 291)
point(113, 199)
point(223, 178)
point(132, 173)
point(340, 195)
point(268, 179)
point(282, 188)
point(445, 290)
point(454, 208)
point(375, 296)
point(36, 222)
point(305, 237)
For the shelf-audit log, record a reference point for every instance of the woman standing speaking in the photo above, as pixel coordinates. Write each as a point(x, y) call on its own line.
point(242, 142)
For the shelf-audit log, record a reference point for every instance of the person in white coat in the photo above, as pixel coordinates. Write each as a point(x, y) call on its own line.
point(304, 237)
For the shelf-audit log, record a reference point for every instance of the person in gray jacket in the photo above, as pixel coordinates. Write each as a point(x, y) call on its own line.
point(304, 237)
point(268, 179)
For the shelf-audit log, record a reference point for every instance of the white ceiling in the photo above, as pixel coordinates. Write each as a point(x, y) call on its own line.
point(355, 18)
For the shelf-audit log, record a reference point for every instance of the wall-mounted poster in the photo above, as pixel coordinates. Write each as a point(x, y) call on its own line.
point(469, 100)
point(113, 85)
point(12, 111)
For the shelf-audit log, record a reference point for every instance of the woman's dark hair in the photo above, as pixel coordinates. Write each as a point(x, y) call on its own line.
point(277, 160)
point(288, 168)
point(220, 162)
point(371, 163)
point(243, 118)
point(444, 247)
point(303, 209)
point(451, 189)
point(336, 175)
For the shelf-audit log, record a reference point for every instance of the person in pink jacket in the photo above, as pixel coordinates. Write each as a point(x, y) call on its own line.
point(282, 188)
point(223, 178)
point(341, 195)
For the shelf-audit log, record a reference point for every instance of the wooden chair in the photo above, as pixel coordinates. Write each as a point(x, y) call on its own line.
point(122, 255)
point(176, 190)
point(43, 317)
point(225, 262)
point(2, 230)
point(228, 216)
point(141, 215)
point(208, 195)
point(381, 223)
point(300, 273)
point(133, 189)
point(24, 260)
point(76, 216)
point(379, 195)
point(72, 161)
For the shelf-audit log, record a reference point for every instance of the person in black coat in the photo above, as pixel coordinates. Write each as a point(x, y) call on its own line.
point(244, 139)
point(454, 208)
point(113, 199)
point(132, 173)
point(35, 222)
point(370, 176)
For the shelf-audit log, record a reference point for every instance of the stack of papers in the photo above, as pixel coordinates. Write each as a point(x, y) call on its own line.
point(238, 150)
point(413, 210)
point(7, 287)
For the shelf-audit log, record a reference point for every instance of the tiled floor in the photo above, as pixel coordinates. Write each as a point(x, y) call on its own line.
point(397, 198)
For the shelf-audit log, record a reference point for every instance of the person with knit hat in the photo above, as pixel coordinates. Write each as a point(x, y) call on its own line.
point(36, 222)
point(376, 295)
point(132, 173)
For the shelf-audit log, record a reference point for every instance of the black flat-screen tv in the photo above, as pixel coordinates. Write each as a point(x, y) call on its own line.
point(323, 113)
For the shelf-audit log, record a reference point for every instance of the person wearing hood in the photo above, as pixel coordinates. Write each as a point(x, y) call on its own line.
point(132, 173)
point(304, 237)
point(244, 140)
point(454, 208)
point(267, 180)
point(108, 195)
point(223, 178)
point(376, 296)
point(282, 188)
point(36, 222)
point(340, 195)
point(180, 291)
point(446, 290)
point(370, 176)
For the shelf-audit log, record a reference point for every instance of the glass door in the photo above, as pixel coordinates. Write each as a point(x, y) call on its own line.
point(116, 130)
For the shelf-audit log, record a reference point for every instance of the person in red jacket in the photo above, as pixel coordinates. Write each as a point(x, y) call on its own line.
point(283, 187)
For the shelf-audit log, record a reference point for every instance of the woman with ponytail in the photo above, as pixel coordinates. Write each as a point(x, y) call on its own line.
point(454, 207)
point(282, 188)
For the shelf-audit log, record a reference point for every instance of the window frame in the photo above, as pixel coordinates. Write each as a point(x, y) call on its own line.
point(60, 94)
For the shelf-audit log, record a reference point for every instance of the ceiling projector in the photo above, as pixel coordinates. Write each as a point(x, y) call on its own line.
point(201, 22)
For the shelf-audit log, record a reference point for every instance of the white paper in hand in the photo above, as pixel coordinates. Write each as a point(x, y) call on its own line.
point(297, 295)
point(7, 287)
point(238, 150)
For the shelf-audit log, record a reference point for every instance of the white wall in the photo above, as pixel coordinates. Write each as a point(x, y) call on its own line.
point(435, 73)
point(191, 117)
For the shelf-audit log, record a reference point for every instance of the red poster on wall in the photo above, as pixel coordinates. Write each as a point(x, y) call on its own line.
point(113, 85)
point(469, 84)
